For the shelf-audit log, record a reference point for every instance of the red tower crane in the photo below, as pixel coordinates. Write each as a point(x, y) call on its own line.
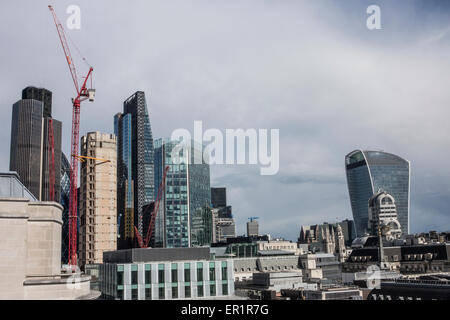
point(81, 95)
point(151, 225)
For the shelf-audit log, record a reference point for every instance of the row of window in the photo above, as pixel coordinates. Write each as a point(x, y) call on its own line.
point(187, 292)
point(174, 274)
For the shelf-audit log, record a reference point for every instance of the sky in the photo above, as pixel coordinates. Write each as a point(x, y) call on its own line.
point(311, 69)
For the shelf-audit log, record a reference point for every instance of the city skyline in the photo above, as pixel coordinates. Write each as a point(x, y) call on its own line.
point(312, 147)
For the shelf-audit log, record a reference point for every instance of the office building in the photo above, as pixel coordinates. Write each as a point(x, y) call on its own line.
point(369, 171)
point(165, 274)
point(186, 194)
point(98, 191)
point(40, 94)
point(30, 146)
point(218, 197)
point(202, 227)
point(252, 228)
point(135, 167)
point(224, 224)
point(65, 199)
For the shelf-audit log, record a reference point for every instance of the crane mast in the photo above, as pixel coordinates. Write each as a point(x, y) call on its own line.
point(81, 95)
point(144, 243)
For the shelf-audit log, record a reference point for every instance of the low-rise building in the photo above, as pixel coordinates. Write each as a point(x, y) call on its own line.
point(165, 273)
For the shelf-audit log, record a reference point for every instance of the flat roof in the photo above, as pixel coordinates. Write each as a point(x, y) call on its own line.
point(156, 254)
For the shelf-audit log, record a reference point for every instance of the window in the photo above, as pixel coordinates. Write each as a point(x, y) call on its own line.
point(148, 293)
point(187, 274)
point(174, 292)
point(225, 289)
point(224, 272)
point(212, 290)
point(162, 293)
point(161, 273)
point(120, 278)
point(187, 291)
point(199, 273)
point(134, 277)
point(148, 275)
point(134, 294)
point(174, 273)
point(200, 291)
point(120, 294)
point(212, 273)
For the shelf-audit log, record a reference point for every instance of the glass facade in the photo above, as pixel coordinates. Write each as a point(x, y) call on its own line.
point(168, 280)
point(187, 191)
point(65, 192)
point(369, 171)
point(135, 175)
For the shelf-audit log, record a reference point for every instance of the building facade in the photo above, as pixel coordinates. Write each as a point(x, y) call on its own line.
point(187, 193)
point(383, 216)
point(135, 167)
point(64, 201)
point(369, 171)
point(218, 197)
point(98, 190)
point(166, 274)
point(252, 228)
point(30, 147)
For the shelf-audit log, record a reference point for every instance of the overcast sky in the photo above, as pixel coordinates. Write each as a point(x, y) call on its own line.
point(311, 69)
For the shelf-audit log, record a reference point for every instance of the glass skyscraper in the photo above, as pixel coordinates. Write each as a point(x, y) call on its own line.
point(369, 171)
point(65, 195)
point(187, 195)
point(135, 165)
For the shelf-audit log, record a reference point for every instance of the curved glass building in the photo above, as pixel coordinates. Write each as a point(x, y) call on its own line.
point(64, 201)
point(369, 171)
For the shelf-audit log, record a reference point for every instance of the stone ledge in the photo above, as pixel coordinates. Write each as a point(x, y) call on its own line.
point(52, 281)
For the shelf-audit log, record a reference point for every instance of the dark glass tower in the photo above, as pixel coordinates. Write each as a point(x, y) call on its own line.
point(186, 198)
point(30, 147)
point(218, 197)
point(26, 144)
point(135, 175)
point(369, 171)
point(40, 94)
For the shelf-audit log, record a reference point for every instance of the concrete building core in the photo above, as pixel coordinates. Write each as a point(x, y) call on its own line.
point(98, 192)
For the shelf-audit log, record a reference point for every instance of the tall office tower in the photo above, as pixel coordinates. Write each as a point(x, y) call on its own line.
point(65, 196)
point(383, 216)
point(252, 228)
point(369, 171)
point(40, 94)
point(98, 191)
point(30, 148)
point(218, 197)
point(135, 167)
point(187, 191)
